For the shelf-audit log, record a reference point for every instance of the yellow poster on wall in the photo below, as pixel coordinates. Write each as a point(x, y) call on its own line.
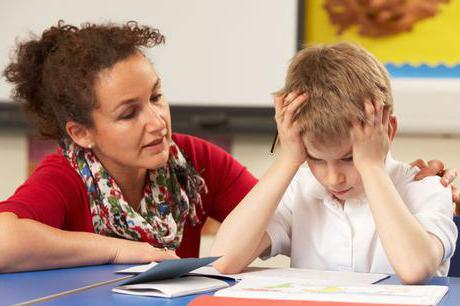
point(430, 42)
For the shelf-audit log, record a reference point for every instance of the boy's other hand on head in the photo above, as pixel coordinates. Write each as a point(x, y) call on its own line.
point(370, 138)
point(292, 146)
point(436, 167)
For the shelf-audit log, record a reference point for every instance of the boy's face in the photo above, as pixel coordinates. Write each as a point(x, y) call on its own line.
point(332, 165)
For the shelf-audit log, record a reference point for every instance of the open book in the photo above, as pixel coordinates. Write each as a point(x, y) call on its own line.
point(170, 278)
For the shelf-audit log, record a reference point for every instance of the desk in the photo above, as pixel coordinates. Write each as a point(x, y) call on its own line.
point(20, 287)
point(25, 286)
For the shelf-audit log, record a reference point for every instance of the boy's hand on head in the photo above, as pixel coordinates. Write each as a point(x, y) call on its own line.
point(370, 138)
point(292, 146)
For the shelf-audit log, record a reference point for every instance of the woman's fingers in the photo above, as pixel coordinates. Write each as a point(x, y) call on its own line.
point(449, 176)
point(419, 163)
point(162, 254)
point(456, 198)
point(433, 167)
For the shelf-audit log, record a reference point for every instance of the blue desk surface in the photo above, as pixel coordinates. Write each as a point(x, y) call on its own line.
point(25, 286)
point(21, 287)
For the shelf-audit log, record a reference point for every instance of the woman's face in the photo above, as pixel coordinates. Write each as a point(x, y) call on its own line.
point(132, 123)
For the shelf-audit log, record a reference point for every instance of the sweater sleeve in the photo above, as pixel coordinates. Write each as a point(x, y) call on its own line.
point(227, 180)
point(54, 195)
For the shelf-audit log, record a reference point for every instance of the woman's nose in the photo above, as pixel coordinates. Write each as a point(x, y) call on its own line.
point(153, 119)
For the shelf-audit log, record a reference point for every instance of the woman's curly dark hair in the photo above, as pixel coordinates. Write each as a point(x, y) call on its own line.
point(53, 75)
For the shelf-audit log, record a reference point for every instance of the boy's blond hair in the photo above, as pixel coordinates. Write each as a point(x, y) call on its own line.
point(337, 79)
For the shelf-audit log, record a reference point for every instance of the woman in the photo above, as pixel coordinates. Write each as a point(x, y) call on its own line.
point(122, 188)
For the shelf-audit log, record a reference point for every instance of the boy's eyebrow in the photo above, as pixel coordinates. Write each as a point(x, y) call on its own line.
point(347, 154)
point(343, 156)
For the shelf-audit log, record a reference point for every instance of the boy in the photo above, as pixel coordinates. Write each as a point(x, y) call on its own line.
point(354, 207)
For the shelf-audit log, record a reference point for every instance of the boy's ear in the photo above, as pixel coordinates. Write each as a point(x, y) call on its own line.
point(392, 127)
point(79, 133)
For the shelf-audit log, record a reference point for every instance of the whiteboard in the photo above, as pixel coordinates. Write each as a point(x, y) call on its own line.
point(217, 52)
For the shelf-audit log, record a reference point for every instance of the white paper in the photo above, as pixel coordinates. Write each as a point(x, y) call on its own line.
point(316, 276)
point(173, 287)
point(271, 288)
point(320, 277)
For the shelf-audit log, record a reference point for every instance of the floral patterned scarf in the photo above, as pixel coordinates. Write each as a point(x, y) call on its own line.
point(171, 194)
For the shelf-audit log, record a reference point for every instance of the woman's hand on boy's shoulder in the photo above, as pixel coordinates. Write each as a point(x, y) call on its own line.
point(436, 167)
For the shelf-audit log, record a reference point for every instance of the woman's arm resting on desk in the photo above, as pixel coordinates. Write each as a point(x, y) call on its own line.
point(30, 245)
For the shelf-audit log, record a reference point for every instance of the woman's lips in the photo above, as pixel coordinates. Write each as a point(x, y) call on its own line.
point(156, 145)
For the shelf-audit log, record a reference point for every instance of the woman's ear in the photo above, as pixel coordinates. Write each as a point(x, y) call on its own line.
point(392, 127)
point(80, 134)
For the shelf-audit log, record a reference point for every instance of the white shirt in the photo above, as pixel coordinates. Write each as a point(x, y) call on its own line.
point(314, 229)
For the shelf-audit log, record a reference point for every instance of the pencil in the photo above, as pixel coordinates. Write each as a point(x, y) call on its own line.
point(275, 141)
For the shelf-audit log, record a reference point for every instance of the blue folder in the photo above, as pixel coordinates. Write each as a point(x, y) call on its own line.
point(168, 269)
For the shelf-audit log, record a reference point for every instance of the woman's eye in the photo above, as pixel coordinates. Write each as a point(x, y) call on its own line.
point(315, 160)
point(128, 115)
point(155, 98)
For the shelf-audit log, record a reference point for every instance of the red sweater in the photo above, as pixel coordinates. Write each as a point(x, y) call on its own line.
point(55, 195)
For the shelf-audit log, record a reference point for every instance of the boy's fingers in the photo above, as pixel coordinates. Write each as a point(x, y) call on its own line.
point(356, 129)
point(294, 106)
point(279, 111)
point(290, 98)
point(378, 107)
point(370, 113)
point(386, 116)
point(278, 101)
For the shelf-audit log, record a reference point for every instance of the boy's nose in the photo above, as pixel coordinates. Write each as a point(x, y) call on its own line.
point(334, 177)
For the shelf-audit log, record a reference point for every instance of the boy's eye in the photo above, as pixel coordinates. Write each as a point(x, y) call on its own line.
point(155, 98)
point(315, 160)
point(348, 159)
